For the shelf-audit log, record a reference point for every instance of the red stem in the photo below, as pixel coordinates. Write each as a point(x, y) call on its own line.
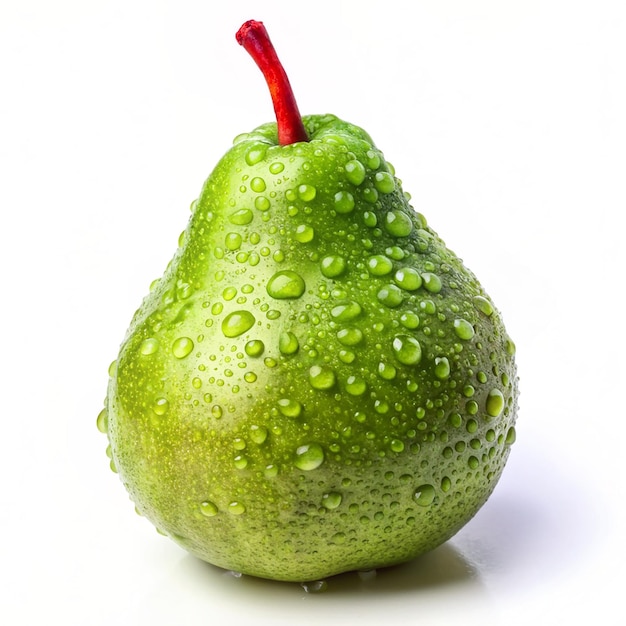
point(254, 38)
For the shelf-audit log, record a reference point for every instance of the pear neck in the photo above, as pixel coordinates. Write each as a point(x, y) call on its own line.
point(254, 38)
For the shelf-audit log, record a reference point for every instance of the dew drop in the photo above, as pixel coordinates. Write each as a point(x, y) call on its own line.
point(510, 436)
point(160, 406)
point(289, 407)
point(390, 295)
point(306, 193)
point(276, 167)
point(346, 311)
point(321, 377)
point(254, 348)
point(344, 202)
point(386, 371)
point(408, 279)
point(102, 421)
point(241, 217)
point(236, 508)
point(410, 320)
point(432, 282)
point(304, 233)
point(332, 500)
point(285, 284)
point(182, 347)
point(355, 172)
point(257, 185)
point(255, 154)
point(258, 434)
point(288, 343)
point(350, 336)
point(208, 509)
point(315, 586)
point(495, 403)
point(384, 182)
point(355, 386)
point(483, 305)
point(463, 329)
point(442, 367)
point(261, 203)
point(407, 349)
point(237, 323)
point(379, 265)
point(233, 241)
point(424, 495)
point(309, 456)
point(333, 266)
point(398, 224)
point(149, 346)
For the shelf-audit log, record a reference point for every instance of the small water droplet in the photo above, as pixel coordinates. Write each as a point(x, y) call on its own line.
point(511, 436)
point(285, 284)
point(102, 421)
point(346, 311)
point(432, 282)
point(276, 167)
point(236, 508)
point(355, 386)
point(321, 377)
point(442, 367)
point(408, 279)
point(237, 323)
point(398, 224)
point(410, 320)
point(424, 495)
point(160, 406)
point(258, 434)
point(257, 185)
point(149, 346)
point(306, 193)
point(483, 305)
point(288, 343)
point(182, 347)
point(386, 371)
point(241, 217)
point(495, 403)
point(344, 202)
point(332, 500)
point(309, 456)
point(379, 265)
point(304, 233)
point(407, 349)
point(350, 336)
point(355, 172)
point(254, 348)
point(396, 445)
point(208, 508)
point(384, 182)
point(463, 329)
point(390, 295)
point(289, 407)
point(261, 203)
point(332, 266)
point(232, 241)
point(315, 586)
point(255, 154)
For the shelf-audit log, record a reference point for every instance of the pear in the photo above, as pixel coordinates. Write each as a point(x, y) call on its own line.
point(316, 384)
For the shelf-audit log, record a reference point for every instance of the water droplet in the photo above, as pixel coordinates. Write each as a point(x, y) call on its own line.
point(407, 349)
point(309, 456)
point(254, 348)
point(149, 346)
point(233, 241)
point(432, 282)
point(350, 336)
point(346, 311)
point(288, 343)
point(442, 367)
point(483, 305)
point(333, 266)
point(236, 508)
point(495, 403)
point(216, 411)
point(386, 371)
point(304, 233)
point(306, 193)
point(241, 217)
point(410, 320)
point(396, 445)
point(424, 495)
point(390, 295)
point(344, 202)
point(510, 347)
point(463, 329)
point(237, 323)
point(398, 224)
point(261, 203)
point(182, 347)
point(384, 182)
point(208, 509)
point(379, 265)
point(271, 471)
point(332, 500)
point(255, 154)
point(355, 172)
point(321, 377)
point(289, 407)
point(315, 586)
point(338, 538)
point(240, 462)
point(285, 284)
point(160, 406)
point(511, 436)
point(257, 185)
point(408, 278)
point(277, 167)
point(356, 386)
point(473, 462)
point(258, 434)
point(102, 421)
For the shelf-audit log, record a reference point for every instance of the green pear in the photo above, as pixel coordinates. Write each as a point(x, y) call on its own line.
point(316, 384)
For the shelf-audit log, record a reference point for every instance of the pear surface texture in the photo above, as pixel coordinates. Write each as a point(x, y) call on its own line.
point(316, 384)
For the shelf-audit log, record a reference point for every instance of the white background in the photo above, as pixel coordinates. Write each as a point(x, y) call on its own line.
point(505, 121)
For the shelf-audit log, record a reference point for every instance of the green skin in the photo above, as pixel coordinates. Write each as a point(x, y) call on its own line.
point(377, 417)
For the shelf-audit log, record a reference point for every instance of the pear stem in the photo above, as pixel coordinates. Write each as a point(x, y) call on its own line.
point(254, 38)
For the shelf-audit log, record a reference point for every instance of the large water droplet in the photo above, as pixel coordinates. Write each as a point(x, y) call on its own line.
point(285, 284)
point(332, 500)
point(495, 403)
point(407, 349)
point(379, 265)
point(309, 456)
point(344, 202)
point(408, 278)
point(332, 266)
point(288, 343)
point(102, 421)
point(356, 386)
point(398, 224)
point(390, 295)
point(257, 185)
point(237, 323)
point(182, 347)
point(149, 346)
point(355, 172)
point(432, 282)
point(304, 233)
point(384, 182)
point(254, 348)
point(160, 406)
point(346, 311)
point(483, 305)
point(289, 407)
point(208, 509)
point(236, 508)
point(306, 193)
point(321, 377)
point(424, 495)
point(241, 217)
point(463, 329)
point(350, 336)
point(442, 367)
